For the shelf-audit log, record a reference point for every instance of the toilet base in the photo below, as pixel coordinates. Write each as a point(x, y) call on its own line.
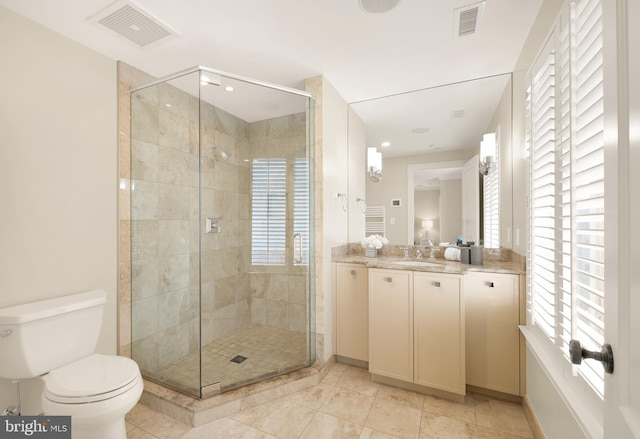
point(98, 420)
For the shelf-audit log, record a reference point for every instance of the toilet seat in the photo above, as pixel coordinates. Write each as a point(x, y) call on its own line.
point(94, 378)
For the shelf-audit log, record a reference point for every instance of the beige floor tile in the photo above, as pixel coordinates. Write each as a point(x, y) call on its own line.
point(369, 433)
point(463, 412)
point(250, 416)
point(442, 427)
point(226, 428)
point(285, 419)
point(486, 433)
point(394, 419)
point(400, 396)
point(502, 416)
point(164, 427)
point(312, 397)
point(253, 433)
point(324, 426)
point(333, 376)
point(348, 405)
point(358, 380)
point(138, 414)
point(136, 433)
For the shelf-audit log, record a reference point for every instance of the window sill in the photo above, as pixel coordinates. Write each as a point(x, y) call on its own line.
point(550, 365)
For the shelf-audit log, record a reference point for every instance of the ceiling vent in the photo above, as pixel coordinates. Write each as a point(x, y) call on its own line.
point(466, 20)
point(130, 21)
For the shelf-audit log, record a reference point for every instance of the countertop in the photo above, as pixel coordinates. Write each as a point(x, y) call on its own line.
point(445, 266)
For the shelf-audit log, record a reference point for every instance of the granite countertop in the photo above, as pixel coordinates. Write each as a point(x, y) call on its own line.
point(444, 265)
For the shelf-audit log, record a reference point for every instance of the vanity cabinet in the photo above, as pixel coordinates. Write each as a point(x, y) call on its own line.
point(438, 322)
point(352, 308)
point(391, 323)
point(492, 307)
point(416, 328)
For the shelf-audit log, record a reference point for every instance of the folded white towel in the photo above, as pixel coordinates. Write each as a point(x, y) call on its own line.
point(452, 254)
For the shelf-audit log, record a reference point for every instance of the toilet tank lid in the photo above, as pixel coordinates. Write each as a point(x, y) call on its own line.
point(28, 312)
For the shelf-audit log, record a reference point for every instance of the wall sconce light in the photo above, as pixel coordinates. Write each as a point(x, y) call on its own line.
point(488, 153)
point(374, 164)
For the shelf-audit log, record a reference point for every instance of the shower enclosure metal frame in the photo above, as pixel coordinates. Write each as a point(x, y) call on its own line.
point(277, 282)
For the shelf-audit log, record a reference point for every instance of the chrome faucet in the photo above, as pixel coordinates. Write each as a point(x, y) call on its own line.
point(419, 253)
point(406, 252)
point(432, 252)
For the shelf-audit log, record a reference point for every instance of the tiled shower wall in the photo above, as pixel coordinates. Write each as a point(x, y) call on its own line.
point(164, 178)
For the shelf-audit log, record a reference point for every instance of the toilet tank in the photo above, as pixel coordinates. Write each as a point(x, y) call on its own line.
point(38, 337)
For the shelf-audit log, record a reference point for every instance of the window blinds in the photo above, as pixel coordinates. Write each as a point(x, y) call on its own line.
point(491, 201)
point(566, 146)
point(268, 211)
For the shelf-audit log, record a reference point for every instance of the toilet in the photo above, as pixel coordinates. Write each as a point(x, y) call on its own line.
point(55, 340)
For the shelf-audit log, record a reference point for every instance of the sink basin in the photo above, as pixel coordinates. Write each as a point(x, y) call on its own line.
point(415, 263)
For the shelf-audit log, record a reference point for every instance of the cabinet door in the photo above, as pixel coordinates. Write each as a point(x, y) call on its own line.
point(492, 336)
point(439, 332)
point(352, 311)
point(391, 323)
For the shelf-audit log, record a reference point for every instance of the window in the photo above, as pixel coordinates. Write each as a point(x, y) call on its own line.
point(491, 201)
point(301, 205)
point(268, 211)
point(566, 146)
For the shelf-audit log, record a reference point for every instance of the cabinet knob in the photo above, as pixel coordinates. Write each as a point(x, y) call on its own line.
point(491, 285)
point(353, 272)
point(437, 284)
point(388, 279)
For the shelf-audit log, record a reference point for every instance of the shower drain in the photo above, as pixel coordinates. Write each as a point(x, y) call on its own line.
point(238, 359)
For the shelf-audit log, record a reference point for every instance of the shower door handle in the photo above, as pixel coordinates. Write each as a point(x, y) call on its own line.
point(297, 248)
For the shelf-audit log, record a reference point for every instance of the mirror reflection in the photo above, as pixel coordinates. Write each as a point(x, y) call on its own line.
point(428, 138)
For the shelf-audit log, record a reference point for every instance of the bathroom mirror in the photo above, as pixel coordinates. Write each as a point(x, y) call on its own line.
point(433, 132)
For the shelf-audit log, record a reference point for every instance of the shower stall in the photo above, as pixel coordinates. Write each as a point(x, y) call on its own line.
point(222, 249)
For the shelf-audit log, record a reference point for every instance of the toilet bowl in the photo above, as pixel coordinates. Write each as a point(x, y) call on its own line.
point(97, 392)
point(54, 340)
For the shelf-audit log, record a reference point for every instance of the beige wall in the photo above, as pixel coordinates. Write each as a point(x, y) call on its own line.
point(394, 185)
point(58, 155)
point(332, 226)
point(450, 210)
point(426, 206)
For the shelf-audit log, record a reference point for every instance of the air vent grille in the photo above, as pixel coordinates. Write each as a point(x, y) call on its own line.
point(467, 19)
point(133, 23)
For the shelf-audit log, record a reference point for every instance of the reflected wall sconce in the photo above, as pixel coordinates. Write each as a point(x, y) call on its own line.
point(374, 164)
point(488, 153)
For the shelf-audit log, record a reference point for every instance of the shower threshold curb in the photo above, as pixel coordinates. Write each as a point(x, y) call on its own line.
point(197, 412)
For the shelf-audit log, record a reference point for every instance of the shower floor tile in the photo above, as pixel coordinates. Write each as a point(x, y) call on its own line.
point(267, 350)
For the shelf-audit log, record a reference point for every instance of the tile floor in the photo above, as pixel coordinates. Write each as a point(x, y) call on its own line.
point(347, 404)
point(255, 342)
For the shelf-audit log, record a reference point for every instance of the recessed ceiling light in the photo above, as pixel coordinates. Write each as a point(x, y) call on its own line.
point(378, 6)
point(420, 130)
point(385, 144)
point(229, 88)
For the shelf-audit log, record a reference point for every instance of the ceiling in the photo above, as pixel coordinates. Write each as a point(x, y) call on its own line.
point(362, 54)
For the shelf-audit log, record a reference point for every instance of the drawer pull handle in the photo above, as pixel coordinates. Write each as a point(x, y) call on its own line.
point(491, 285)
point(437, 284)
point(388, 279)
point(353, 272)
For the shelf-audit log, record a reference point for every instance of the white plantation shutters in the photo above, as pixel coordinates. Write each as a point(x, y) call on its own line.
point(301, 205)
point(268, 211)
point(566, 146)
point(491, 201)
